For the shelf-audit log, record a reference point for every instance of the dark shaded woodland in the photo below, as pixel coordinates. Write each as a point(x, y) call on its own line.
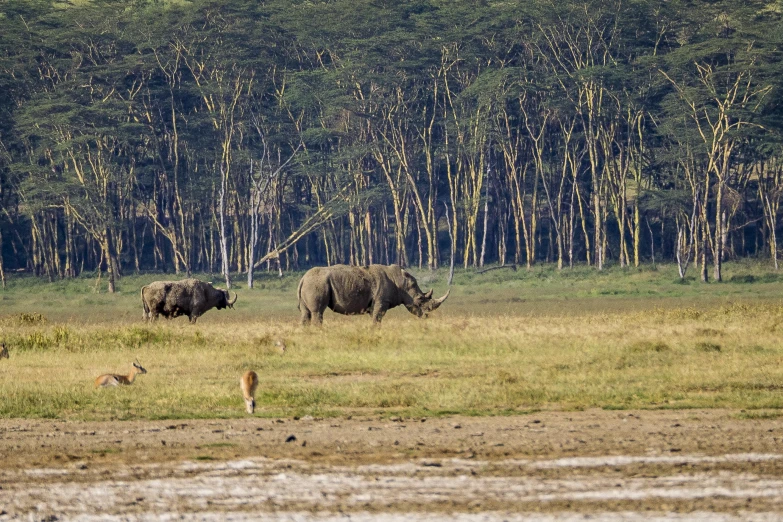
point(233, 135)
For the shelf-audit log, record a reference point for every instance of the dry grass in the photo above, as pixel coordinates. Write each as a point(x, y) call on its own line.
point(499, 347)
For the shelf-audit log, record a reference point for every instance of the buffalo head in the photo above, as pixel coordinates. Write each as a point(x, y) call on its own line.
point(225, 301)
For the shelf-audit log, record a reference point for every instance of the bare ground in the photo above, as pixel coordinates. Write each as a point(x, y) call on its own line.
point(613, 465)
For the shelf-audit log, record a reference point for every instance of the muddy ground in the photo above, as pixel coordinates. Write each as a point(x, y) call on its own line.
point(612, 465)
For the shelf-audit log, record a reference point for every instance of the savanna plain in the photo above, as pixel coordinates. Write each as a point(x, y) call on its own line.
point(529, 395)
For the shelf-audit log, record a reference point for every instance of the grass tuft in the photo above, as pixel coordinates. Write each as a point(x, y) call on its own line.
point(649, 346)
point(708, 347)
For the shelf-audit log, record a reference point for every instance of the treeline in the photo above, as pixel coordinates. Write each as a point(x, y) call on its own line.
point(223, 136)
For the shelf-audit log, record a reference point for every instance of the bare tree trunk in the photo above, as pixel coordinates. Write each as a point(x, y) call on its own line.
point(2, 270)
point(253, 229)
point(704, 245)
point(222, 218)
point(717, 252)
point(484, 238)
point(772, 222)
point(597, 230)
point(451, 242)
point(111, 267)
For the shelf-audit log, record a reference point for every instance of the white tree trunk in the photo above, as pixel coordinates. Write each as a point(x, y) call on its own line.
point(222, 217)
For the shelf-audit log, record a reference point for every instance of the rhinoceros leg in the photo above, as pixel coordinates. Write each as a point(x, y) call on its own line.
point(305, 315)
point(378, 311)
point(312, 309)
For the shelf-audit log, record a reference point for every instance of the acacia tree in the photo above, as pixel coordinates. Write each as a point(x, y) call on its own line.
point(720, 100)
point(545, 128)
point(263, 178)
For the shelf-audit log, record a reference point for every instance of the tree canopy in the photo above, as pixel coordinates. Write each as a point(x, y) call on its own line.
point(223, 136)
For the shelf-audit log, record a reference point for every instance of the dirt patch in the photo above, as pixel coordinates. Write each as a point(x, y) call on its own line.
point(544, 466)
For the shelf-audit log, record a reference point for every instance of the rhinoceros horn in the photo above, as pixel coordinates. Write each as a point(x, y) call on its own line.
point(437, 302)
point(231, 303)
point(428, 295)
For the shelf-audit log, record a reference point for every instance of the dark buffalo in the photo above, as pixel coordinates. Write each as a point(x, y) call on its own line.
point(189, 297)
point(354, 290)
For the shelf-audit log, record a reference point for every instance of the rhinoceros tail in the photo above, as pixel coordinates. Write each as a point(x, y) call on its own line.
point(299, 295)
point(144, 303)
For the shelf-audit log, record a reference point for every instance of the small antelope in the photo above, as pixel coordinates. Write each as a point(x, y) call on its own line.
point(3, 351)
point(113, 379)
point(248, 383)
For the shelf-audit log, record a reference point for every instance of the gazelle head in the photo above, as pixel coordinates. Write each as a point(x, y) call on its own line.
point(3, 351)
point(139, 368)
point(250, 405)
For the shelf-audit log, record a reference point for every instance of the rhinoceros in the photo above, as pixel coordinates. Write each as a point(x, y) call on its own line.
point(352, 290)
point(189, 297)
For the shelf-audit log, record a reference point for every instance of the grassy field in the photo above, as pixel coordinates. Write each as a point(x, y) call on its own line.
point(505, 342)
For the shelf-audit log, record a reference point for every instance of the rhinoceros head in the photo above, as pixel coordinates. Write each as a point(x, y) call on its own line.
point(424, 304)
point(421, 303)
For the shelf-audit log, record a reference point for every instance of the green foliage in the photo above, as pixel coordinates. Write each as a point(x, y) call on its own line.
point(121, 122)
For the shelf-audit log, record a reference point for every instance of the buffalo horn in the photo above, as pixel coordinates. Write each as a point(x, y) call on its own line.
point(231, 303)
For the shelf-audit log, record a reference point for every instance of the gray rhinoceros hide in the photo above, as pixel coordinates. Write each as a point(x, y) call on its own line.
point(189, 297)
point(353, 290)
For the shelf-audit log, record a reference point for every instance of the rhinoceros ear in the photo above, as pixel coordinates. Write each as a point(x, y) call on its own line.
point(428, 295)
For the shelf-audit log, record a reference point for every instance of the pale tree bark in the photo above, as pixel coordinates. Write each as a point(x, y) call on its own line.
point(516, 181)
point(2, 269)
point(686, 236)
point(486, 220)
point(261, 181)
point(222, 86)
point(399, 140)
point(770, 183)
point(177, 223)
point(716, 121)
point(570, 48)
point(469, 126)
point(326, 212)
point(451, 252)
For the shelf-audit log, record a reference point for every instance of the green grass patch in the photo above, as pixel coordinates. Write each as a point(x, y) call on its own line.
point(506, 342)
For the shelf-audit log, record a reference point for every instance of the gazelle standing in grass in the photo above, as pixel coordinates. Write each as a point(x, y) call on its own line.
point(248, 383)
point(3, 351)
point(113, 379)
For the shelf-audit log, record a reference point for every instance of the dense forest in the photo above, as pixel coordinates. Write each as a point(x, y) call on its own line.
point(231, 135)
